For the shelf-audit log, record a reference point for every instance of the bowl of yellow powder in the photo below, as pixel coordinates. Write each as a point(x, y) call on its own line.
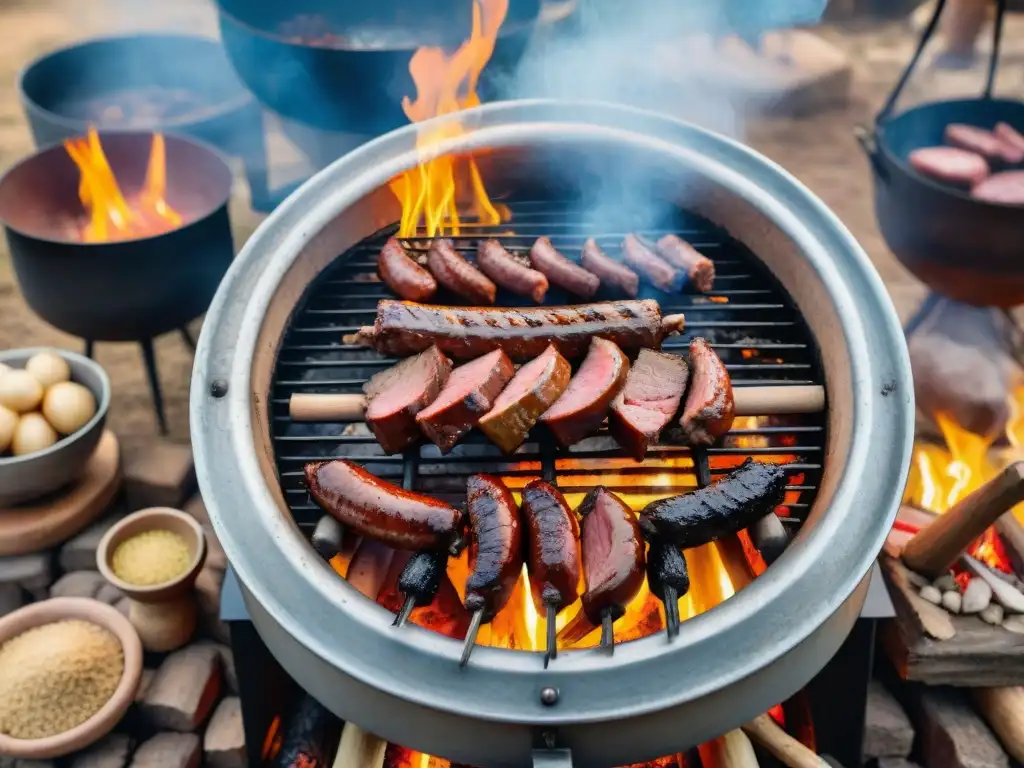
point(153, 555)
point(69, 669)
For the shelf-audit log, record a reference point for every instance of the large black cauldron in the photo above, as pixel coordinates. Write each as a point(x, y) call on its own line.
point(969, 250)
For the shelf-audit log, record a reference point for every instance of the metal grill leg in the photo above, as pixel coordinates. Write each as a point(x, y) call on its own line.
point(149, 356)
point(89, 348)
point(186, 336)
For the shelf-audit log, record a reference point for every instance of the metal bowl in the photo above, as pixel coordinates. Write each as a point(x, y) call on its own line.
point(27, 478)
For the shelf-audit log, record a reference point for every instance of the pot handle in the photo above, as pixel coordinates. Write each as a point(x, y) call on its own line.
point(929, 31)
point(866, 137)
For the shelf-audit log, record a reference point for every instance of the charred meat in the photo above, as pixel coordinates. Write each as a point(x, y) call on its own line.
point(699, 269)
point(654, 388)
point(666, 567)
point(645, 261)
point(403, 275)
point(609, 271)
point(552, 532)
point(562, 272)
point(398, 394)
point(504, 269)
point(458, 275)
point(710, 408)
point(613, 555)
point(496, 547)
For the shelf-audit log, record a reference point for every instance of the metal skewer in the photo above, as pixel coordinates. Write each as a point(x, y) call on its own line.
point(607, 634)
point(474, 629)
point(552, 645)
point(403, 615)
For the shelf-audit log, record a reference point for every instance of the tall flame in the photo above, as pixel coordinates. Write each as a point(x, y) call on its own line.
point(110, 215)
point(446, 84)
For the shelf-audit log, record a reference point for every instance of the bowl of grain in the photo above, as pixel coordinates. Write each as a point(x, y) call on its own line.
point(69, 669)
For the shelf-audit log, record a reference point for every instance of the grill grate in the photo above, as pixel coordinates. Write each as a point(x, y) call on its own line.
point(749, 319)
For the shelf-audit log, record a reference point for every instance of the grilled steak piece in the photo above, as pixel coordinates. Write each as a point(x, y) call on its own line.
point(949, 165)
point(1012, 139)
point(553, 536)
point(733, 503)
point(467, 396)
point(1006, 188)
point(710, 409)
point(458, 275)
point(584, 403)
point(464, 333)
point(609, 271)
point(650, 399)
point(645, 261)
point(496, 547)
point(503, 268)
point(534, 388)
point(985, 143)
point(562, 272)
point(396, 395)
point(379, 510)
point(613, 555)
point(699, 269)
point(403, 275)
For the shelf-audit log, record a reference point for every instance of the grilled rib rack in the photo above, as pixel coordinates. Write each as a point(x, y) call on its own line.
point(749, 319)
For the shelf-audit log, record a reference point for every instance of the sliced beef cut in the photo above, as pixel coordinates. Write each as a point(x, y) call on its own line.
point(1013, 140)
point(710, 407)
point(648, 402)
point(397, 395)
point(562, 272)
point(1006, 188)
point(641, 258)
point(534, 389)
point(403, 275)
point(508, 272)
point(468, 395)
point(985, 143)
point(610, 272)
point(458, 275)
point(584, 403)
point(949, 165)
point(699, 269)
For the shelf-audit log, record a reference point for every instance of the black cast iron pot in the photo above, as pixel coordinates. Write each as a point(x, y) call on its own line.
point(355, 81)
point(128, 290)
point(966, 249)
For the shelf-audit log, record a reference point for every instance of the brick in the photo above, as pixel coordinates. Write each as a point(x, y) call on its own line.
point(159, 475)
point(33, 573)
point(208, 586)
point(953, 736)
point(169, 750)
point(184, 690)
point(197, 508)
point(227, 663)
point(78, 584)
point(887, 729)
point(224, 742)
point(112, 751)
point(12, 597)
point(79, 552)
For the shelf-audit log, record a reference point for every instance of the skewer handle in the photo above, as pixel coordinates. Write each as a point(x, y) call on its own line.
point(321, 407)
point(474, 629)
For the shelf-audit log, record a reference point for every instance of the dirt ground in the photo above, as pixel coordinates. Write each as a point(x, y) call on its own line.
point(819, 149)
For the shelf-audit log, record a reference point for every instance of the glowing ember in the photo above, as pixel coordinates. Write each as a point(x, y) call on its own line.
point(446, 84)
point(272, 741)
point(112, 216)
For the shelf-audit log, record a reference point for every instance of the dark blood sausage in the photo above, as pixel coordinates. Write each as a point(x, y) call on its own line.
point(421, 576)
point(710, 409)
point(534, 388)
point(379, 510)
point(950, 165)
point(562, 272)
point(399, 393)
point(1012, 139)
point(458, 275)
point(403, 275)
point(699, 269)
point(496, 548)
point(1006, 188)
point(985, 143)
point(654, 388)
point(467, 396)
point(666, 567)
point(580, 410)
point(553, 560)
point(499, 265)
point(733, 503)
point(613, 554)
point(404, 328)
point(641, 258)
point(609, 271)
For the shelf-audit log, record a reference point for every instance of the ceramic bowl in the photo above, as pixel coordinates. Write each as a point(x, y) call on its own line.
point(30, 477)
point(101, 723)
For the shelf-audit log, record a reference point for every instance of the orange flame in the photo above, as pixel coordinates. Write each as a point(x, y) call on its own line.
point(110, 215)
point(446, 84)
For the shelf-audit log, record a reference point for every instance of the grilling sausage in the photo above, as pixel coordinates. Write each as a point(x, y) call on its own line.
point(609, 271)
point(562, 272)
point(699, 269)
point(534, 388)
point(613, 555)
point(403, 328)
point(403, 275)
point(468, 395)
point(553, 536)
point(985, 143)
point(1006, 188)
point(710, 408)
point(399, 393)
point(458, 275)
point(950, 165)
point(733, 503)
point(502, 267)
point(496, 549)
point(666, 567)
point(584, 403)
point(641, 258)
point(380, 510)
point(654, 387)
